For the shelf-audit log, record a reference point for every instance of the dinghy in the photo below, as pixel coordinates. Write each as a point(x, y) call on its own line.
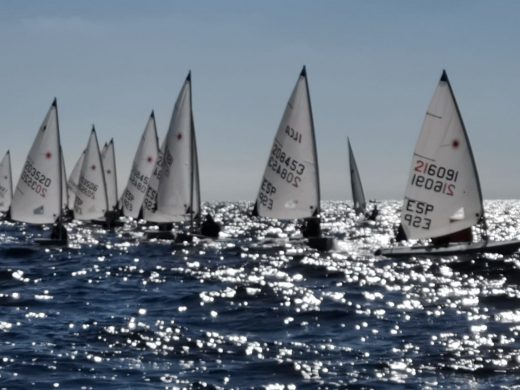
point(38, 195)
point(173, 194)
point(178, 192)
point(108, 158)
point(142, 170)
point(91, 200)
point(6, 183)
point(358, 195)
point(290, 187)
point(443, 199)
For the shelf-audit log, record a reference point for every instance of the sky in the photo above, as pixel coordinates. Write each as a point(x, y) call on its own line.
point(372, 67)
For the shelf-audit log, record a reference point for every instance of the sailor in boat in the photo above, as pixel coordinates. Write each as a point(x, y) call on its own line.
point(311, 227)
point(209, 227)
point(59, 232)
point(371, 216)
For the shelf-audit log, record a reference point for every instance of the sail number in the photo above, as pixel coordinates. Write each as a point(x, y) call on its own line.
point(416, 213)
point(150, 200)
point(35, 180)
point(285, 166)
point(293, 134)
point(264, 196)
point(87, 188)
point(127, 200)
point(139, 180)
point(434, 177)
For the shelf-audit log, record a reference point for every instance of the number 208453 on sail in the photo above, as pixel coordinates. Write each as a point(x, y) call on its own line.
point(434, 178)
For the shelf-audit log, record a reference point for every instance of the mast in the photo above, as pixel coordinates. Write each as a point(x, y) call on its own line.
point(64, 177)
point(10, 177)
point(115, 171)
point(315, 150)
point(192, 134)
point(102, 169)
point(60, 159)
point(444, 77)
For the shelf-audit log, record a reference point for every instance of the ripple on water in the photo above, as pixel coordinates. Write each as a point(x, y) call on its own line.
point(256, 308)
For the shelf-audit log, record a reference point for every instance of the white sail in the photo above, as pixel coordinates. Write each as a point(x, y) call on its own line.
point(290, 185)
point(91, 197)
point(150, 212)
point(37, 198)
point(108, 157)
point(73, 181)
point(443, 193)
point(64, 188)
point(142, 170)
point(6, 182)
point(175, 191)
point(358, 196)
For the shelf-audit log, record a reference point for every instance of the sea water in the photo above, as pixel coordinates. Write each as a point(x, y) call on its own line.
point(256, 308)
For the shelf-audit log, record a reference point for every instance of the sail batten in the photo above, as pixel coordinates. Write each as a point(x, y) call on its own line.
point(443, 179)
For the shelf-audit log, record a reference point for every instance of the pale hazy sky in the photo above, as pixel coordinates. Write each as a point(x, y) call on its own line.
point(372, 68)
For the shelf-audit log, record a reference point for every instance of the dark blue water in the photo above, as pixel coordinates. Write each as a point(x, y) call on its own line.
point(256, 309)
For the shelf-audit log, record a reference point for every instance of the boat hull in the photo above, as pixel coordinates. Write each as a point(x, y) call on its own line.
point(51, 241)
point(501, 247)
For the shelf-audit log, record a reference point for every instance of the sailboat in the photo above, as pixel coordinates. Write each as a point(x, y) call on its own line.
point(91, 200)
point(142, 170)
point(178, 192)
point(290, 187)
point(443, 198)
point(6, 183)
point(108, 157)
point(38, 195)
point(358, 195)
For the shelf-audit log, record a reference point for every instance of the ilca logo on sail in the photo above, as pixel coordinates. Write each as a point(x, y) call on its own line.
point(38, 210)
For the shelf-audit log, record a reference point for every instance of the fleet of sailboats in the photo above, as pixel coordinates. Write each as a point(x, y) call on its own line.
point(442, 203)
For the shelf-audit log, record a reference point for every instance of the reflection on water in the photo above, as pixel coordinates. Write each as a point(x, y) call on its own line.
point(256, 308)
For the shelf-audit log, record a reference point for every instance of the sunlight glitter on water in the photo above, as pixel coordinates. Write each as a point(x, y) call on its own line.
point(255, 310)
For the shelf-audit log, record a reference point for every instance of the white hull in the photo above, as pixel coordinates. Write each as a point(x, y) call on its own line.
point(502, 247)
